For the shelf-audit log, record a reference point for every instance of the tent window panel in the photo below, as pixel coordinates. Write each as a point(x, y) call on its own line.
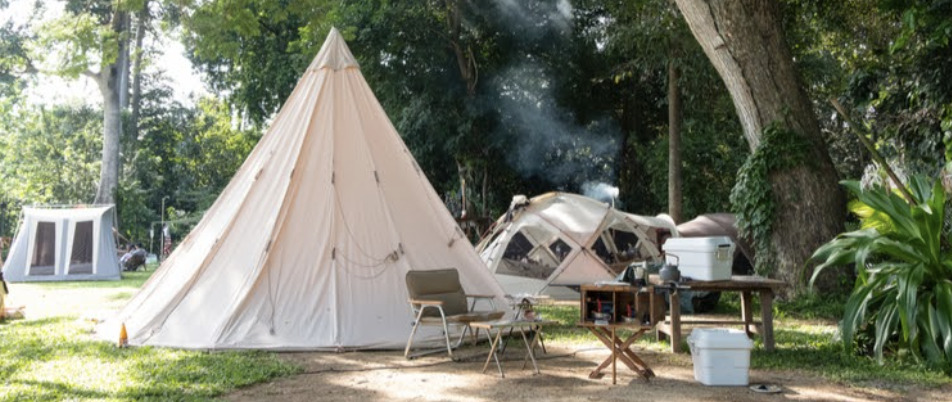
point(560, 249)
point(523, 259)
point(602, 251)
point(627, 244)
point(81, 258)
point(43, 260)
point(518, 247)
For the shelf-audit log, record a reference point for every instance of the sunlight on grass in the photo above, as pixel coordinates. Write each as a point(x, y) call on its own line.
point(803, 345)
point(121, 296)
point(133, 279)
point(55, 359)
point(806, 339)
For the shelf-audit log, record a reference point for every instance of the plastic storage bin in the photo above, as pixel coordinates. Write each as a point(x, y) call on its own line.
point(721, 356)
point(702, 258)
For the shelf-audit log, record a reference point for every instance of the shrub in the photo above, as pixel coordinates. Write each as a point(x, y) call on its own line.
point(903, 289)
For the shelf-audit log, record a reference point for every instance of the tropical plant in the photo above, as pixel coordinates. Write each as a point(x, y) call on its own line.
point(903, 289)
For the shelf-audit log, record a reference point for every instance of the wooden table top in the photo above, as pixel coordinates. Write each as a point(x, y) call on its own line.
point(737, 282)
point(511, 323)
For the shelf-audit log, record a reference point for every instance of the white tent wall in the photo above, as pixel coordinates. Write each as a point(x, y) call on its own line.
point(308, 246)
point(97, 259)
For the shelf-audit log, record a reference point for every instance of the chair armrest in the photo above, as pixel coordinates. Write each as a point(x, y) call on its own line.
point(426, 302)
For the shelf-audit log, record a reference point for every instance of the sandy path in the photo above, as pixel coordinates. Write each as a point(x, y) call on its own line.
point(363, 376)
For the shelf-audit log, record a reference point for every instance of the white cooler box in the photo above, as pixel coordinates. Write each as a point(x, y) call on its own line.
point(702, 258)
point(721, 356)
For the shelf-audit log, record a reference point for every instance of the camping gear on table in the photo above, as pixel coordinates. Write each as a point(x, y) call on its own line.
point(308, 246)
point(64, 244)
point(669, 272)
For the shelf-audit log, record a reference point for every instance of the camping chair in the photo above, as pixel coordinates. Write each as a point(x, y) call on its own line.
point(437, 298)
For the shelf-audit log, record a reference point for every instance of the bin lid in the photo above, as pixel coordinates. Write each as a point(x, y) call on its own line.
point(720, 338)
point(697, 244)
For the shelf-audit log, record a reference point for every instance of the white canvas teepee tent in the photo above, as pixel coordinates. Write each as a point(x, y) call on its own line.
point(308, 246)
point(568, 239)
point(64, 244)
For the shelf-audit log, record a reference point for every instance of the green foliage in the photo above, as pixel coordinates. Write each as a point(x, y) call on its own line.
point(184, 155)
point(74, 43)
point(752, 196)
point(885, 60)
point(903, 292)
point(49, 156)
point(52, 359)
point(710, 152)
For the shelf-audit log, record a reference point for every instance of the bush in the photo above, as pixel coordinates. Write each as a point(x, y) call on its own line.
point(903, 289)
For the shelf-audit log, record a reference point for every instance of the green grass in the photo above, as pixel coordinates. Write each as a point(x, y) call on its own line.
point(54, 359)
point(805, 335)
point(133, 279)
point(802, 345)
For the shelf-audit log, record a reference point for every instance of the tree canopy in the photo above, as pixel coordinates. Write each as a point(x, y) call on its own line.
point(510, 97)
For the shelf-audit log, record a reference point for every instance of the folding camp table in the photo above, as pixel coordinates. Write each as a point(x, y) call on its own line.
point(524, 327)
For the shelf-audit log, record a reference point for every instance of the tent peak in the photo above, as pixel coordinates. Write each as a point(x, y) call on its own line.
point(334, 54)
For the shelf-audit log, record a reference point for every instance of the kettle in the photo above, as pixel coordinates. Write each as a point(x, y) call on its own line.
point(670, 272)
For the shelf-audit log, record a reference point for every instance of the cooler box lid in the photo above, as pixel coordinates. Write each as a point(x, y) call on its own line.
point(697, 244)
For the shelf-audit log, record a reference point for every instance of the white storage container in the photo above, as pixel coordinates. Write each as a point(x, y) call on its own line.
point(721, 356)
point(702, 258)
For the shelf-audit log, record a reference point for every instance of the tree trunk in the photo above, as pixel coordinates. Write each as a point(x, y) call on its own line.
point(674, 144)
point(464, 56)
point(112, 127)
point(109, 80)
point(124, 61)
point(141, 24)
point(745, 43)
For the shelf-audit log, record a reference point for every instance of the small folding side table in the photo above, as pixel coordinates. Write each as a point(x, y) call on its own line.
point(494, 330)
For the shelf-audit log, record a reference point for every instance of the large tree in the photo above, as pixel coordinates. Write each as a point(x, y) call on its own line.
point(92, 38)
point(800, 206)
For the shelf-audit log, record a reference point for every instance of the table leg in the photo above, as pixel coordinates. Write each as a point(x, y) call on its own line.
point(766, 317)
point(529, 347)
point(745, 312)
point(626, 356)
point(614, 356)
point(492, 351)
point(675, 321)
point(640, 366)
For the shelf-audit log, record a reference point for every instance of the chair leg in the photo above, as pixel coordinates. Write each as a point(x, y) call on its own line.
point(416, 324)
point(446, 335)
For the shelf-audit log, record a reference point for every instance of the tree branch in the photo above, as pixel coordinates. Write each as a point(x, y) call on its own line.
point(872, 150)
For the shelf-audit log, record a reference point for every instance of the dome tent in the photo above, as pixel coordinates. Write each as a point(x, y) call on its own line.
point(568, 239)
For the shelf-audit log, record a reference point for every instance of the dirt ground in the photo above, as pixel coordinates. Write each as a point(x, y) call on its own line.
point(363, 376)
point(386, 375)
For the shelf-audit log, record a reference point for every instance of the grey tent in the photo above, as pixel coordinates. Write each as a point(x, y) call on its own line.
point(721, 224)
point(64, 244)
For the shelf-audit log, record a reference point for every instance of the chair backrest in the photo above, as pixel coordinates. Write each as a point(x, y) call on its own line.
point(440, 284)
